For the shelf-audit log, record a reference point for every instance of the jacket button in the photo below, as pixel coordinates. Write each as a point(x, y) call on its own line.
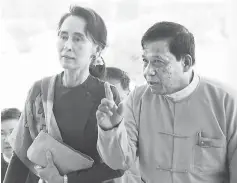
point(88, 94)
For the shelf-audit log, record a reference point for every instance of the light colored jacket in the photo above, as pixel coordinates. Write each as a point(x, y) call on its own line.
point(178, 140)
point(132, 175)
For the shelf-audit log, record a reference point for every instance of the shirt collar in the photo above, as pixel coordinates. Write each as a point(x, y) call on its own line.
point(188, 90)
point(6, 159)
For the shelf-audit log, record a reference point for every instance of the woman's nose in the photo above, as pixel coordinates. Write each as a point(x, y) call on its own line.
point(68, 45)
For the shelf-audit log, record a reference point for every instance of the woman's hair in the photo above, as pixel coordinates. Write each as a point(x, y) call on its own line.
point(98, 70)
point(95, 26)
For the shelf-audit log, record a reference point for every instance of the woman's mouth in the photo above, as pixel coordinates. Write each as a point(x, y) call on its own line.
point(67, 57)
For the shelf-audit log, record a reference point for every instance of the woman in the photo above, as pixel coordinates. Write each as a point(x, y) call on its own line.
point(72, 100)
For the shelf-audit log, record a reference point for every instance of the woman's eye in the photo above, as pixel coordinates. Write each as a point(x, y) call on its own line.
point(77, 39)
point(64, 37)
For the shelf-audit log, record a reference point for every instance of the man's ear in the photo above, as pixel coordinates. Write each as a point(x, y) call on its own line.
point(187, 62)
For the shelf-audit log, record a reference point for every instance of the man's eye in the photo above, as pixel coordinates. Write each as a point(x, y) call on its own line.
point(3, 133)
point(158, 62)
point(10, 131)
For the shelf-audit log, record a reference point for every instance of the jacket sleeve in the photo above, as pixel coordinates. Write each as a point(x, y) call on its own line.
point(118, 147)
point(231, 115)
point(17, 172)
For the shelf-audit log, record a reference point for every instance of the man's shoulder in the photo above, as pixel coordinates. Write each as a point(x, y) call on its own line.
point(139, 91)
point(218, 88)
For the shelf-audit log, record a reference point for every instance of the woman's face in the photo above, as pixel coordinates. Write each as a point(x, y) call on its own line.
point(74, 47)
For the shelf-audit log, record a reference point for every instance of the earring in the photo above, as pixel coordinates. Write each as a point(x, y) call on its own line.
point(93, 58)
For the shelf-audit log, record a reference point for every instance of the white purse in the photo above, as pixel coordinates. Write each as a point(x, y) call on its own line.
point(65, 158)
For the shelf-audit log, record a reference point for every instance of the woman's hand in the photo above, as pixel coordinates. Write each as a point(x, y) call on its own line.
point(50, 173)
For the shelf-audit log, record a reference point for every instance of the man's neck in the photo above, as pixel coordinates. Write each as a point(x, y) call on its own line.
point(6, 159)
point(194, 80)
point(184, 82)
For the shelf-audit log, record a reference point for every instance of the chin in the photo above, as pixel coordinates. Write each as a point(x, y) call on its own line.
point(157, 90)
point(67, 66)
point(8, 153)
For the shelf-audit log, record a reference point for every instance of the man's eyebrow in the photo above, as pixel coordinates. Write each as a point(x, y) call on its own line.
point(163, 58)
point(157, 56)
point(153, 56)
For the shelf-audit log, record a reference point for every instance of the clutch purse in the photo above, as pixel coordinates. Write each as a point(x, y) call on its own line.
point(65, 158)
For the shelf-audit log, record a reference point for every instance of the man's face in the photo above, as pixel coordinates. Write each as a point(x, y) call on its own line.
point(122, 93)
point(162, 71)
point(7, 127)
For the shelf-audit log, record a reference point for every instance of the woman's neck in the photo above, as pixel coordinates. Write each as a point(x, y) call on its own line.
point(72, 78)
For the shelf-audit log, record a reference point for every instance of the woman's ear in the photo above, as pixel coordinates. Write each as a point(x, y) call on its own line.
point(97, 50)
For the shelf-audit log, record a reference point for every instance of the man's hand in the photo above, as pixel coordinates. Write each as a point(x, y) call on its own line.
point(108, 114)
point(50, 173)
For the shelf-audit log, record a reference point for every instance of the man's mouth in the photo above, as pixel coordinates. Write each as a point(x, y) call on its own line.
point(152, 82)
point(8, 147)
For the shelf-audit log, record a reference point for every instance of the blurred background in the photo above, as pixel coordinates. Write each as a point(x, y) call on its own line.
point(28, 38)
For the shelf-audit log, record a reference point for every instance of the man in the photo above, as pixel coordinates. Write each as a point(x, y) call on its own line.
point(183, 127)
point(122, 82)
point(119, 79)
point(9, 119)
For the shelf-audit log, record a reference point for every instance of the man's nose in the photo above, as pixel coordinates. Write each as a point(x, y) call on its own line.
point(150, 70)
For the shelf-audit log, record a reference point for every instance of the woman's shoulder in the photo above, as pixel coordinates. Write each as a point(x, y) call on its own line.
point(36, 87)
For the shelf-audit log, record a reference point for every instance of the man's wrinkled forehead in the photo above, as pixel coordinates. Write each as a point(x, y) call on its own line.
point(155, 48)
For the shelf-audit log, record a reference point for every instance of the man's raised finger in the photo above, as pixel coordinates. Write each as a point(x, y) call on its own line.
point(108, 92)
